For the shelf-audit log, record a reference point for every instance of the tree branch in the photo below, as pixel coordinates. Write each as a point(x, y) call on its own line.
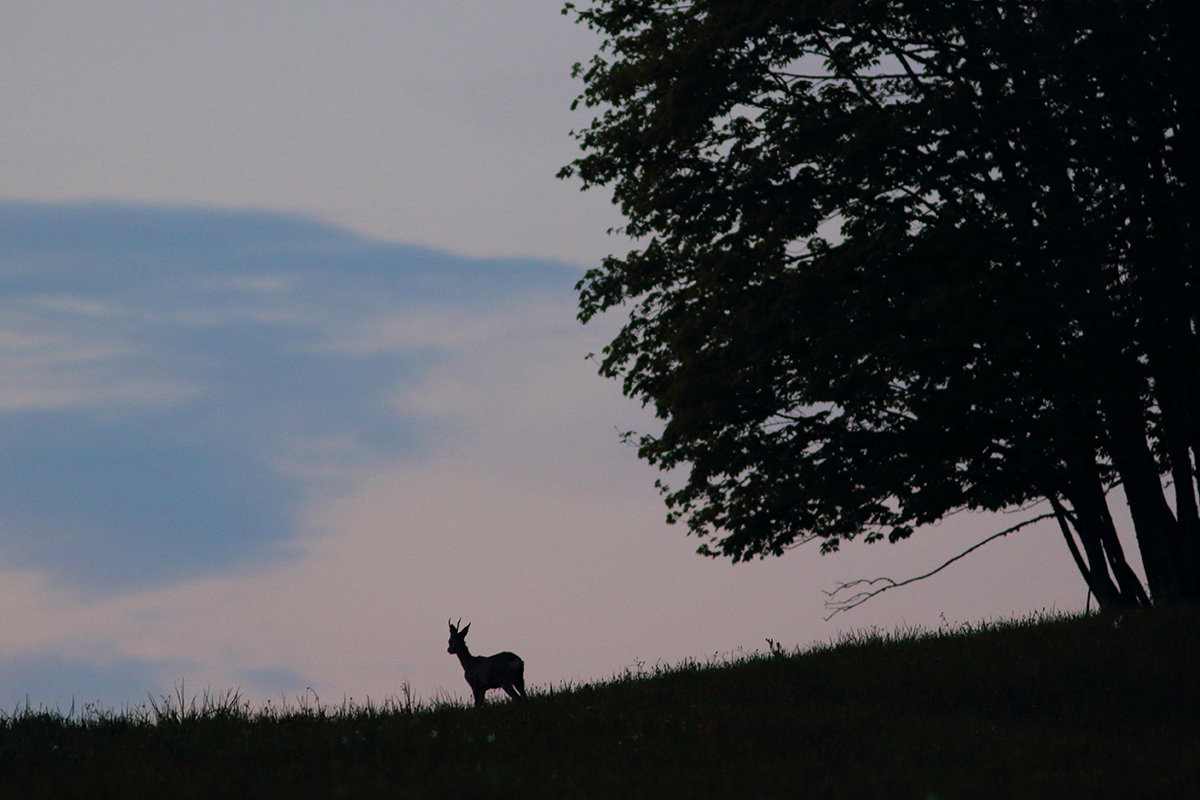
point(863, 596)
point(1063, 517)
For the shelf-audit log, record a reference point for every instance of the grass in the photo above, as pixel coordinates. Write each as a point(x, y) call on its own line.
point(1093, 706)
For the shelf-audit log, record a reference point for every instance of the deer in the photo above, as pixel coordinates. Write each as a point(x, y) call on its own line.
point(502, 671)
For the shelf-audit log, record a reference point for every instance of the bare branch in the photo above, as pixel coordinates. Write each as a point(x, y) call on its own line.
point(873, 76)
point(863, 596)
point(802, 541)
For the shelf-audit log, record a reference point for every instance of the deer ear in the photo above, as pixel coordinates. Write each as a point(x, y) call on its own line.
point(464, 630)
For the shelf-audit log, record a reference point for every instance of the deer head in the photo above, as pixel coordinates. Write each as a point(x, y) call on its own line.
point(458, 643)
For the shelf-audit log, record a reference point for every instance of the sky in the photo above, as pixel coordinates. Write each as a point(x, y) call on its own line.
point(290, 373)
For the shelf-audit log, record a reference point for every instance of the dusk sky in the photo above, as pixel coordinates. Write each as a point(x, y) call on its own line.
point(290, 373)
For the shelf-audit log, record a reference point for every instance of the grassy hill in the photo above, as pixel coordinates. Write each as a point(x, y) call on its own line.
point(1097, 706)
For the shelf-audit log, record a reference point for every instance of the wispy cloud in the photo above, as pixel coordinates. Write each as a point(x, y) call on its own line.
point(178, 381)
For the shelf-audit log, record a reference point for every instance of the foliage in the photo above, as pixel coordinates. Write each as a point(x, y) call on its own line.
point(1103, 705)
point(907, 257)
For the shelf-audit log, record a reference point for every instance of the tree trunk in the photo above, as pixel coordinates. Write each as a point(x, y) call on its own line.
point(1153, 522)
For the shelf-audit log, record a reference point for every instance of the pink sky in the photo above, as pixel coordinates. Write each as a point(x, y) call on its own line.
point(437, 124)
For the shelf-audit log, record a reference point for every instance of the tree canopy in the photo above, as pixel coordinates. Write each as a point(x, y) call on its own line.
point(903, 257)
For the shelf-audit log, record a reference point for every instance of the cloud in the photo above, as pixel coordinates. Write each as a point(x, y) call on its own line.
point(179, 382)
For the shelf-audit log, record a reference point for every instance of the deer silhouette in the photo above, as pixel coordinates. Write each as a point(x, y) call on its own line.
point(502, 671)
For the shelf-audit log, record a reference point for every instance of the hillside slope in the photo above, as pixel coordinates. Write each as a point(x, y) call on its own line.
point(1100, 706)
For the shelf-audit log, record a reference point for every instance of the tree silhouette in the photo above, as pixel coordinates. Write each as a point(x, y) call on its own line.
point(903, 258)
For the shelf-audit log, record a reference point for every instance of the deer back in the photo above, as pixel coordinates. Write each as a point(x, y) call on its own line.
point(494, 672)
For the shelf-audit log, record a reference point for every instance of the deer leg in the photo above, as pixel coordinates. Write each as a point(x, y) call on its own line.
point(479, 693)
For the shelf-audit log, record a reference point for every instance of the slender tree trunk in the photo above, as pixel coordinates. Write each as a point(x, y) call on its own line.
point(1060, 514)
point(1176, 427)
point(1095, 570)
point(1093, 523)
point(1098, 520)
point(1153, 522)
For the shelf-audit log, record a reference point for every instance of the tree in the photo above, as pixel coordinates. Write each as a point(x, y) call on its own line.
point(907, 257)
